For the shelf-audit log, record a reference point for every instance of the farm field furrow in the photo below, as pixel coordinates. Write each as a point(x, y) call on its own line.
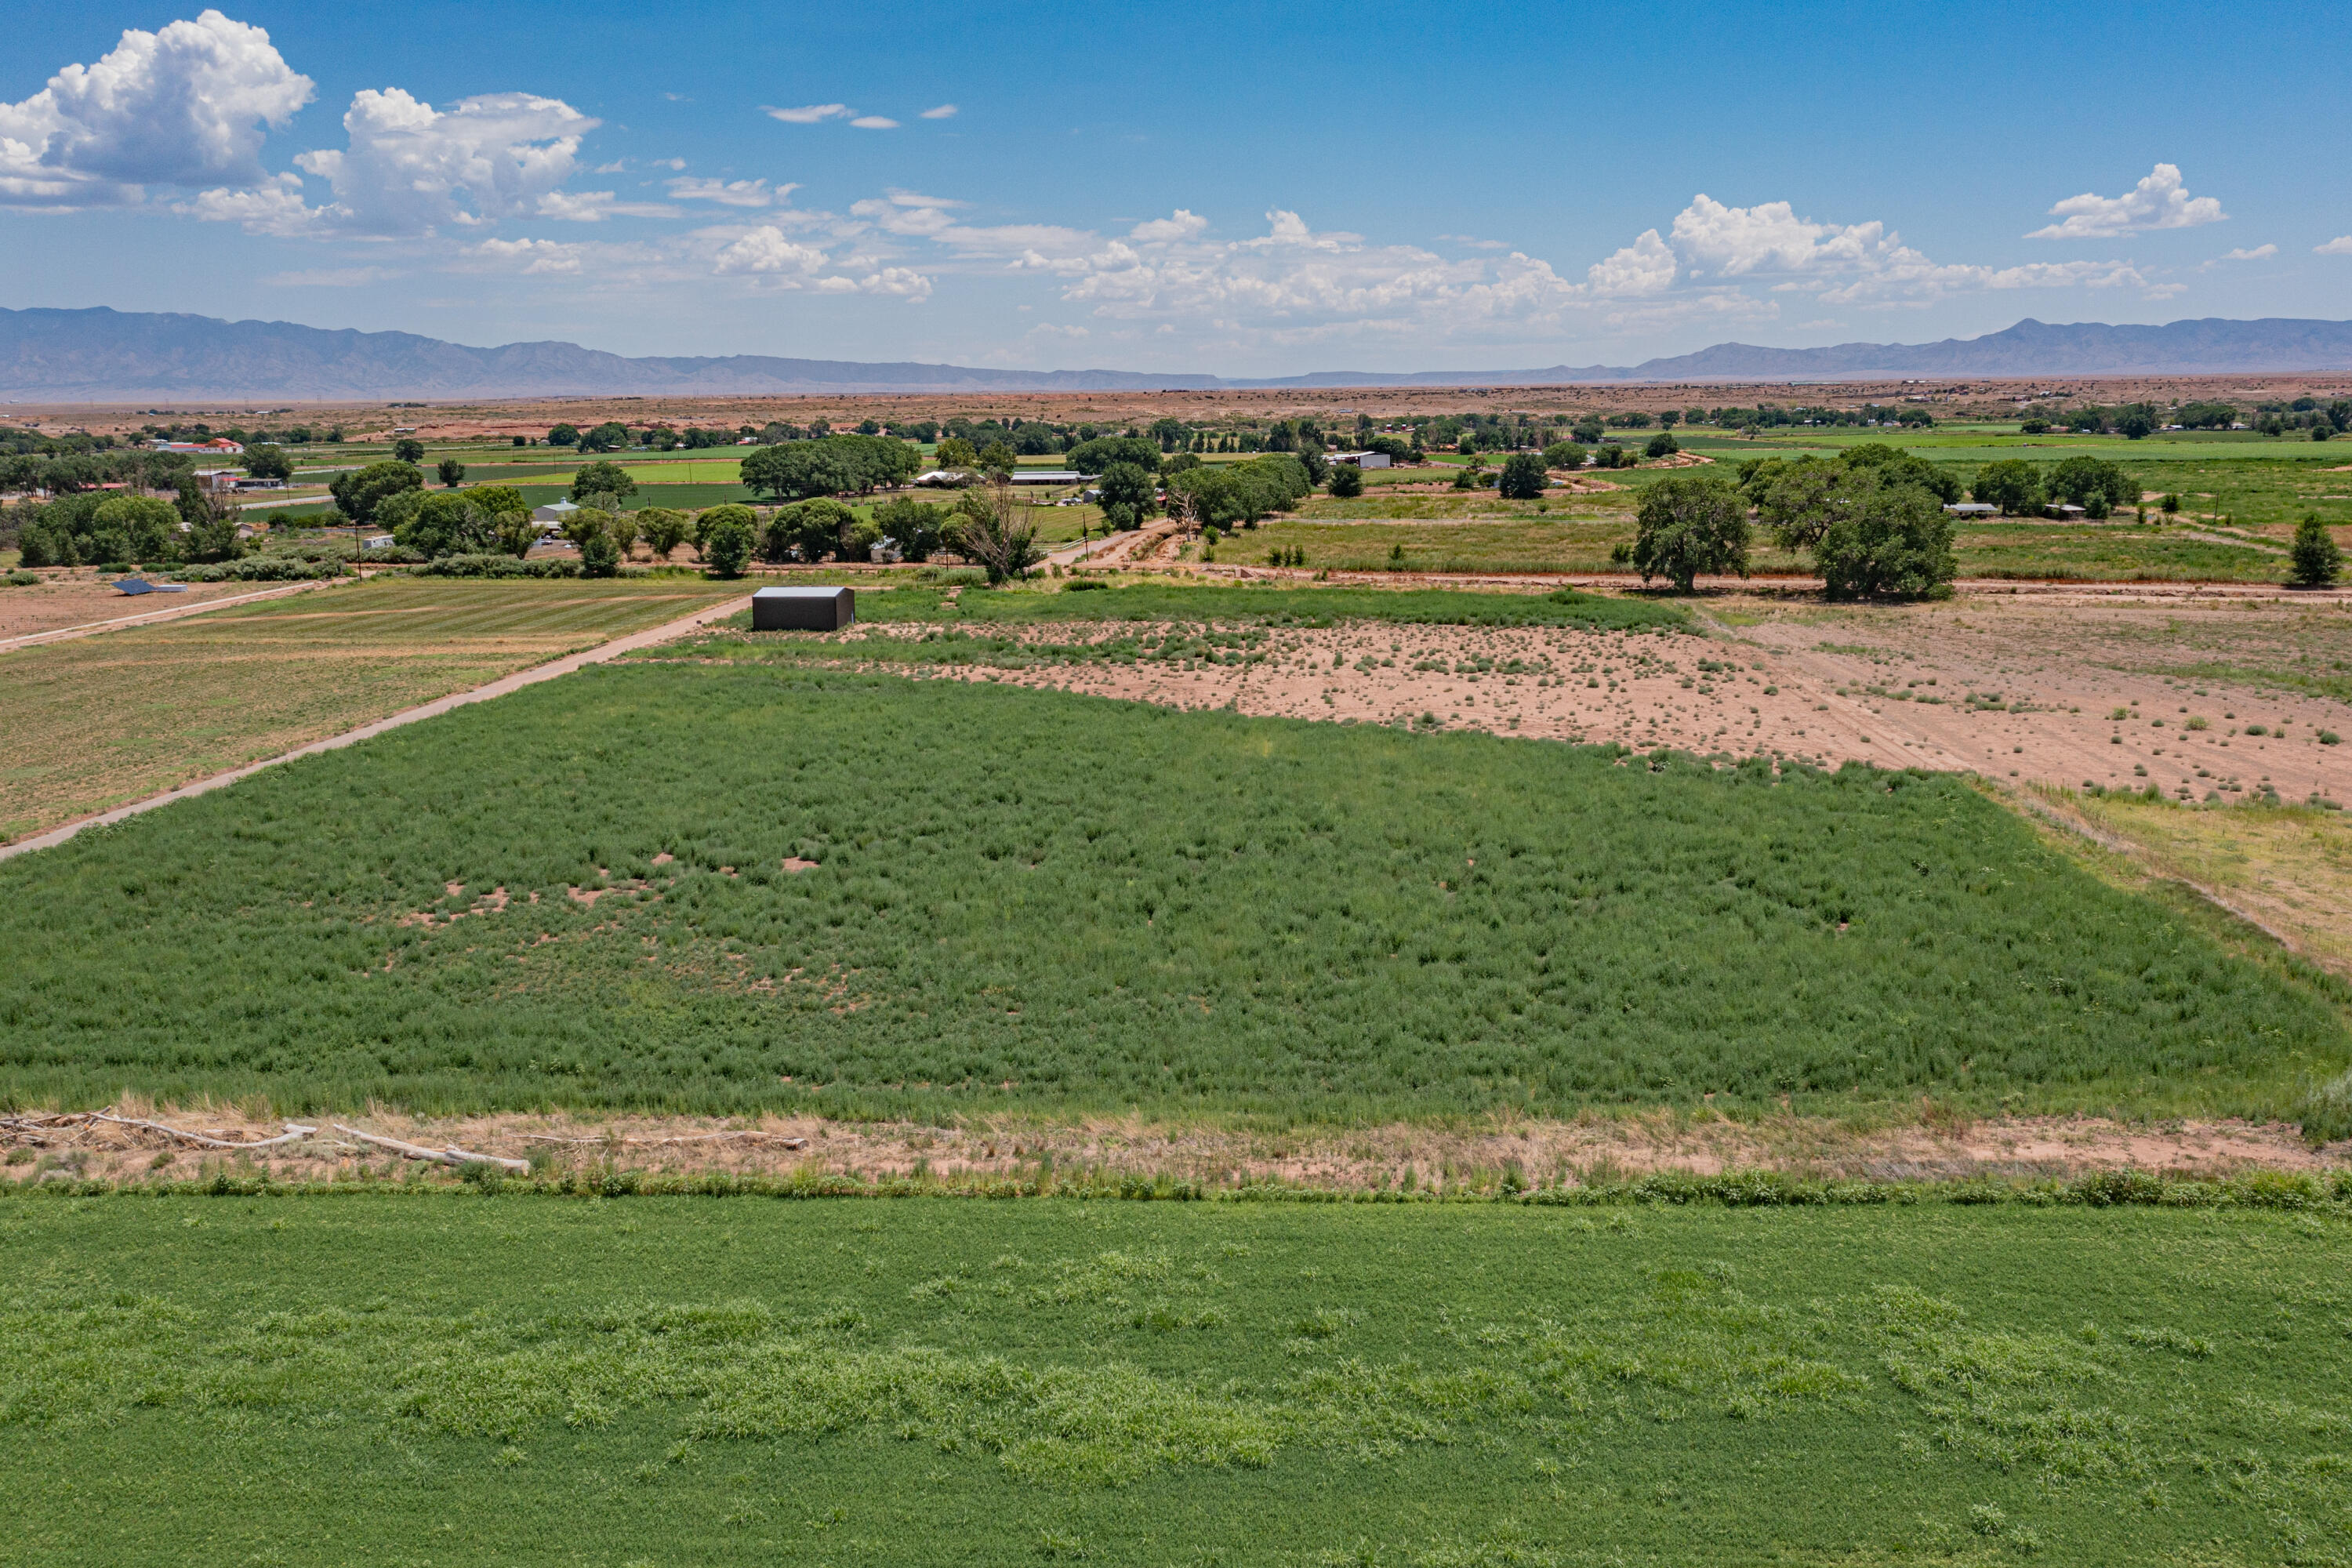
point(399, 1378)
point(762, 887)
point(99, 720)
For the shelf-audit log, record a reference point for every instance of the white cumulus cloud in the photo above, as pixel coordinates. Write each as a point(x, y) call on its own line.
point(412, 169)
point(875, 122)
point(766, 249)
point(183, 106)
point(943, 111)
point(809, 114)
point(1644, 267)
point(2340, 245)
point(1771, 238)
point(729, 193)
point(535, 255)
point(2259, 253)
point(2159, 200)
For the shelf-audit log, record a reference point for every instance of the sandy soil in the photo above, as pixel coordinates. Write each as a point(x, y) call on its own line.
point(2013, 687)
point(1591, 1148)
point(76, 597)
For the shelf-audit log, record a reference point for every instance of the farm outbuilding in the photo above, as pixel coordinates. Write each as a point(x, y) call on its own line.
point(804, 609)
point(1361, 459)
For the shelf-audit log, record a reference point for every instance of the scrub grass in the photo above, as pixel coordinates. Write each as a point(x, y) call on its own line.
point(1159, 602)
point(398, 1378)
point(707, 889)
point(95, 721)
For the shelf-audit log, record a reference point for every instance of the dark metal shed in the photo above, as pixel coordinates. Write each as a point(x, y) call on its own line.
point(804, 609)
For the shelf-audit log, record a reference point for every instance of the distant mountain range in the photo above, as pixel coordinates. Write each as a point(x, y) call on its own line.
point(113, 356)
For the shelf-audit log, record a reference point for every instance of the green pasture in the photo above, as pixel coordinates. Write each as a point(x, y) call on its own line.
point(2119, 551)
point(396, 1378)
point(1036, 900)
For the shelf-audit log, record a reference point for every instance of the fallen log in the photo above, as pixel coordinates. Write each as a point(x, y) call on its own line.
point(450, 1156)
point(787, 1140)
point(86, 1119)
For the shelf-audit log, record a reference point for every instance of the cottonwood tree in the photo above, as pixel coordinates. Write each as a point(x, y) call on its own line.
point(2011, 484)
point(1523, 477)
point(268, 462)
point(664, 529)
point(915, 529)
point(1691, 523)
point(358, 493)
point(601, 484)
point(725, 542)
point(1128, 492)
point(1886, 539)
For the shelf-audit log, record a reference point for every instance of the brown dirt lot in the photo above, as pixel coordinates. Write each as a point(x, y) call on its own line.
point(2014, 686)
point(77, 598)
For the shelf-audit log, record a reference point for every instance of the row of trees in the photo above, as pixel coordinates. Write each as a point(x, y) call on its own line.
point(64, 473)
point(111, 528)
point(832, 465)
point(2023, 489)
point(1873, 520)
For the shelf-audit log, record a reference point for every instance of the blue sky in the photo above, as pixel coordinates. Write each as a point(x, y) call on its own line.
point(1252, 190)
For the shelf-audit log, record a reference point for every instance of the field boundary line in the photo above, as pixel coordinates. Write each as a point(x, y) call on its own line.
point(155, 618)
point(433, 710)
point(2037, 805)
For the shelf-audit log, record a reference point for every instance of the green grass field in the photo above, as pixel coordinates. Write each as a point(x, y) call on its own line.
point(405, 1379)
point(1035, 899)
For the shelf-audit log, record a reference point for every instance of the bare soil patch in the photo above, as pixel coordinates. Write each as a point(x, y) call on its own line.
point(1593, 1148)
point(2017, 688)
point(76, 597)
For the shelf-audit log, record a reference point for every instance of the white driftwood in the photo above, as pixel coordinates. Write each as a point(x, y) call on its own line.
point(787, 1140)
point(89, 1118)
point(451, 1156)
